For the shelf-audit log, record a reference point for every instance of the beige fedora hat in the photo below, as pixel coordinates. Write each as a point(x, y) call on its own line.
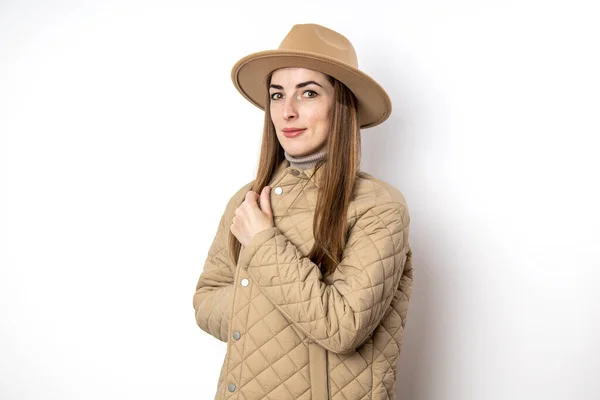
point(319, 48)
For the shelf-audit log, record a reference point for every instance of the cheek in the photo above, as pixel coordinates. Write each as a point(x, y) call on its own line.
point(323, 119)
point(316, 117)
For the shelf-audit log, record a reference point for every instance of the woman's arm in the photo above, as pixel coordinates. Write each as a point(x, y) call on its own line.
point(214, 290)
point(340, 316)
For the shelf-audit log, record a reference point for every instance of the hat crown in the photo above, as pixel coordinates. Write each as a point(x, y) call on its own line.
point(318, 39)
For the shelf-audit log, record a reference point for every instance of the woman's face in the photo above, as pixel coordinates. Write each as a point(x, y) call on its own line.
point(301, 98)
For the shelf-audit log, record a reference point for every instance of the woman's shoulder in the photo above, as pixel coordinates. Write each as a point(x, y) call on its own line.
point(370, 192)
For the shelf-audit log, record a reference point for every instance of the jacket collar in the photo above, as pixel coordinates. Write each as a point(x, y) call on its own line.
point(284, 168)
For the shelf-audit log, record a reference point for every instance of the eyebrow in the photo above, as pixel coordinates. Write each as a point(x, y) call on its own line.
point(298, 86)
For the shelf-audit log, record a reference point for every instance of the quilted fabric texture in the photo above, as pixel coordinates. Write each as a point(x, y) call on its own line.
point(293, 333)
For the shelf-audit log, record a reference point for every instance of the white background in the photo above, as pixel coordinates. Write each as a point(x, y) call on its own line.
point(122, 138)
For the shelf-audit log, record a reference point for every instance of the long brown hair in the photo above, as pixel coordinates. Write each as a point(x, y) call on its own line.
point(341, 168)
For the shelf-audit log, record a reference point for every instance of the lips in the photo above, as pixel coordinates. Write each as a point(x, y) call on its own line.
point(292, 132)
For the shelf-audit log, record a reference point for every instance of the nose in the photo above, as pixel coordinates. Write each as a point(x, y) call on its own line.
point(289, 110)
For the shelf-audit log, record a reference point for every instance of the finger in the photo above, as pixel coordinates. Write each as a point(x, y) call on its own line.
point(265, 200)
point(251, 197)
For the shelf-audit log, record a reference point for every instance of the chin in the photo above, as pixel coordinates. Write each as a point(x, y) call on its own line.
point(298, 152)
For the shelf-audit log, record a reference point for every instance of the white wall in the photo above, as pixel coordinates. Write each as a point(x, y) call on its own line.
point(116, 118)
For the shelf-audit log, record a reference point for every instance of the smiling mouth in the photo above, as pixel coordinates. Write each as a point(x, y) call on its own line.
point(293, 133)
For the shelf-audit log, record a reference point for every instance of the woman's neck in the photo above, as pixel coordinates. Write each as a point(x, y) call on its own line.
point(307, 161)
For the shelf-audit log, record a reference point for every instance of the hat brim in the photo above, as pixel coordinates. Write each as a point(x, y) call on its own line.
point(250, 72)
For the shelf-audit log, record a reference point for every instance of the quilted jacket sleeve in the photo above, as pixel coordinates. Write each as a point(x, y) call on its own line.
point(340, 316)
point(214, 290)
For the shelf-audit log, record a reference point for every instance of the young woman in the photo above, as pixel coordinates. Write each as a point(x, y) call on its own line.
point(309, 276)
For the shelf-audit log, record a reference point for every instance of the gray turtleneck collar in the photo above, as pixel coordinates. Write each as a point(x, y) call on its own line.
point(307, 161)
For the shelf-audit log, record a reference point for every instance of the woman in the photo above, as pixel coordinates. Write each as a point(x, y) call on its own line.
point(309, 283)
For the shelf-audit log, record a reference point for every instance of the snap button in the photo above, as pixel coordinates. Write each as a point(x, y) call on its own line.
point(231, 387)
point(244, 282)
point(278, 190)
point(294, 172)
point(236, 335)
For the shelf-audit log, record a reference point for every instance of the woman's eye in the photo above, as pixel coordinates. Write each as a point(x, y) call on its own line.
point(311, 92)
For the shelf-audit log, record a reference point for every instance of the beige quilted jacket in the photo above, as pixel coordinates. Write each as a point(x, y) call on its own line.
point(292, 333)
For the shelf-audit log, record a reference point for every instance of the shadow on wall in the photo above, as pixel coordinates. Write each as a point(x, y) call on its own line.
point(386, 154)
point(415, 357)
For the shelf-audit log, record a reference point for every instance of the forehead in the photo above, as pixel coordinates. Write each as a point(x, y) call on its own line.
point(297, 74)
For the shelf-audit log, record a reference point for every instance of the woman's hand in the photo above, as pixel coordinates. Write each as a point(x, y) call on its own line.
point(251, 218)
